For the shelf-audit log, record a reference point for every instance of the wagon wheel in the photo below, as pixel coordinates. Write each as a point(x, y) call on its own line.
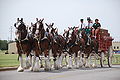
point(110, 51)
point(102, 59)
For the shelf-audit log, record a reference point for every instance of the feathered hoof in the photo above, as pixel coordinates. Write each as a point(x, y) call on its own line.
point(31, 69)
point(20, 69)
point(87, 66)
point(69, 67)
point(46, 69)
point(41, 66)
point(27, 66)
point(77, 67)
point(94, 66)
point(36, 70)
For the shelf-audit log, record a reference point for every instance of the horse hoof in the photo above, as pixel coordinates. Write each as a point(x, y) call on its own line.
point(94, 66)
point(46, 69)
point(69, 67)
point(36, 70)
point(31, 69)
point(77, 67)
point(20, 69)
point(56, 68)
point(41, 66)
point(27, 67)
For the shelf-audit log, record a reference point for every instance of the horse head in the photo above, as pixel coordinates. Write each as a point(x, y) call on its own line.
point(39, 28)
point(21, 31)
point(33, 28)
point(49, 26)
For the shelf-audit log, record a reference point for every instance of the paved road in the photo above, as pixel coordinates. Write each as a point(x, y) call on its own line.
point(65, 74)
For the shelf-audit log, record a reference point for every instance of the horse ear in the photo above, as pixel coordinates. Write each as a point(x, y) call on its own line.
point(46, 24)
point(31, 23)
point(37, 19)
point(17, 19)
point(52, 24)
point(21, 19)
point(42, 20)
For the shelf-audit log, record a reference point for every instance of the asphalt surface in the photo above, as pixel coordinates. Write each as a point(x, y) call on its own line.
point(65, 74)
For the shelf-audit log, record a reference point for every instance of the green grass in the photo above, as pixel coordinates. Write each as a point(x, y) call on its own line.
point(116, 59)
point(8, 60)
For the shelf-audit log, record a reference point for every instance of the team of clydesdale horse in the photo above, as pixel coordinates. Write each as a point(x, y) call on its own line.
point(36, 41)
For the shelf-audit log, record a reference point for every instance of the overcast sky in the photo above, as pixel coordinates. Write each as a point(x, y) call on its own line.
point(64, 13)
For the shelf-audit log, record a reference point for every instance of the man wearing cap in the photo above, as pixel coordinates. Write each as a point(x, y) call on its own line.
point(96, 28)
point(88, 29)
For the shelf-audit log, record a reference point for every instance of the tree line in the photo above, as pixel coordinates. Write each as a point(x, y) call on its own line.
point(3, 45)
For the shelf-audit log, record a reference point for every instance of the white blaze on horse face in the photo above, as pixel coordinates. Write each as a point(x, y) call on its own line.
point(37, 31)
point(80, 34)
point(37, 26)
point(50, 29)
point(18, 23)
point(70, 33)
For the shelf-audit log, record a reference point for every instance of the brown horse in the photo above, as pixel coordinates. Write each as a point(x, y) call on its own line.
point(56, 46)
point(89, 49)
point(43, 42)
point(24, 45)
point(75, 48)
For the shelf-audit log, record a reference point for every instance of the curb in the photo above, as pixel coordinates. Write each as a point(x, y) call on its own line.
point(8, 68)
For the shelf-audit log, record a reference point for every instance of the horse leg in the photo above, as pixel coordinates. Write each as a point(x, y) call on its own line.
point(27, 61)
point(60, 58)
point(30, 59)
point(55, 61)
point(33, 62)
point(66, 63)
point(87, 61)
point(20, 68)
point(90, 61)
point(41, 63)
point(80, 58)
point(47, 62)
point(37, 65)
point(76, 61)
point(95, 63)
point(70, 63)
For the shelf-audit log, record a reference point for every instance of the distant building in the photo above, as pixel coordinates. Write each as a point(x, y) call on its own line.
point(116, 47)
point(12, 48)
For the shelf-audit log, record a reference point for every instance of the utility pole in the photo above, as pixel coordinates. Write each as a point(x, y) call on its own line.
point(11, 33)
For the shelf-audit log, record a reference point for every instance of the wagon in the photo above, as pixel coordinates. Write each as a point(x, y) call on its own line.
point(105, 47)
